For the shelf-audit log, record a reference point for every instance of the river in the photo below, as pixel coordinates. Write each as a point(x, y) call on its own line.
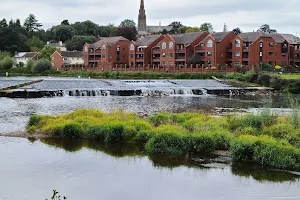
point(90, 170)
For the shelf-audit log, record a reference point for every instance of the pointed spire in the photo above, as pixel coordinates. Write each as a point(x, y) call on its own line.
point(142, 6)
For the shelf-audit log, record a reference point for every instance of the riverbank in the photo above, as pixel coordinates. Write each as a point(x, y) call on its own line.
point(267, 139)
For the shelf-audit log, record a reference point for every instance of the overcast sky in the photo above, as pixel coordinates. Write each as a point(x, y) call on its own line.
point(282, 15)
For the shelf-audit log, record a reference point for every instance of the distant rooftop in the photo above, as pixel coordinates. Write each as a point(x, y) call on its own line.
point(26, 54)
point(72, 54)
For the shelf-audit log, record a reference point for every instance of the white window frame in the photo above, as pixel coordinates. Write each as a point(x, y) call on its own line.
point(163, 45)
point(209, 43)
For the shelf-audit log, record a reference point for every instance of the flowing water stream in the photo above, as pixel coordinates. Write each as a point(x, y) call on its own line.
point(83, 169)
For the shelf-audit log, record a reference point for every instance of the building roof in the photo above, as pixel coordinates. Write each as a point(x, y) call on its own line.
point(253, 36)
point(146, 41)
point(58, 44)
point(157, 29)
point(72, 54)
point(292, 39)
point(186, 38)
point(26, 54)
point(109, 40)
point(219, 36)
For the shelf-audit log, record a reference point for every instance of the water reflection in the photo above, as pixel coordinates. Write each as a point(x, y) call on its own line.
point(247, 170)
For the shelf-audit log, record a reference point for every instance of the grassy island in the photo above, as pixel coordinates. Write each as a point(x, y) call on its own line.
point(265, 138)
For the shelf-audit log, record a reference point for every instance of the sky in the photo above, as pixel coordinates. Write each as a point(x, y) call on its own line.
point(249, 15)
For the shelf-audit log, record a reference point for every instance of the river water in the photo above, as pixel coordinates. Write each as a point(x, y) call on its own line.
point(90, 170)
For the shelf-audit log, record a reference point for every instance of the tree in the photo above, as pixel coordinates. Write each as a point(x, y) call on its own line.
point(237, 31)
point(29, 65)
point(4, 54)
point(192, 29)
point(77, 42)
point(3, 23)
point(65, 22)
point(207, 27)
point(35, 43)
point(176, 24)
point(6, 63)
point(265, 28)
point(107, 31)
point(127, 23)
point(46, 52)
point(225, 28)
point(64, 33)
point(183, 29)
point(31, 23)
point(87, 28)
point(41, 66)
point(128, 32)
point(164, 32)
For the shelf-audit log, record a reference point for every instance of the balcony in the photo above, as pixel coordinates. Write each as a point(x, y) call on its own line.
point(200, 48)
point(180, 50)
point(177, 58)
point(156, 58)
point(95, 53)
point(139, 58)
point(156, 50)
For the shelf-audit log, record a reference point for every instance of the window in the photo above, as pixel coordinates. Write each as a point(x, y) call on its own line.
point(164, 45)
point(284, 46)
point(283, 54)
point(209, 53)
point(209, 43)
point(271, 44)
point(103, 47)
point(237, 54)
point(237, 43)
point(260, 54)
point(131, 56)
point(131, 47)
point(163, 63)
point(271, 53)
point(86, 49)
point(171, 55)
point(236, 62)
point(170, 63)
point(260, 44)
point(163, 55)
point(171, 45)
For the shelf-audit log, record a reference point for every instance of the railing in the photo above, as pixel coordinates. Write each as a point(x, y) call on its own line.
point(199, 48)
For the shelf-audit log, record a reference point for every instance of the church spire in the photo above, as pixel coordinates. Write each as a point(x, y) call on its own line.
point(142, 24)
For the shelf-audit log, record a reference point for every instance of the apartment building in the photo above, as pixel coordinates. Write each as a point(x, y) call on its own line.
point(106, 54)
point(257, 48)
point(67, 60)
point(212, 50)
point(294, 42)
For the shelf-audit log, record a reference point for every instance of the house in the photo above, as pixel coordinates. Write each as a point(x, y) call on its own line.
point(60, 46)
point(257, 48)
point(140, 51)
point(212, 50)
point(106, 54)
point(67, 60)
point(22, 58)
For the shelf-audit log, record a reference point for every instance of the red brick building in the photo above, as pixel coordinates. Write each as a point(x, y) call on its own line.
point(106, 54)
point(67, 60)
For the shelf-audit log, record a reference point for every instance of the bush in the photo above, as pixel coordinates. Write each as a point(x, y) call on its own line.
point(200, 143)
point(71, 130)
point(29, 65)
point(6, 63)
point(34, 120)
point(267, 67)
point(41, 66)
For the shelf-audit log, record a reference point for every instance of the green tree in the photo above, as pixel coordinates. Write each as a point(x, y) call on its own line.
point(266, 29)
point(225, 28)
point(35, 43)
point(7, 63)
point(46, 52)
point(64, 33)
point(31, 23)
point(207, 27)
point(192, 29)
point(77, 42)
point(127, 23)
point(29, 65)
point(4, 54)
point(183, 29)
point(65, 22)
point(41, 66)
point(237, 31)
point(128, 32)
point(176, 25)
point(3, 23)
point(86, 28)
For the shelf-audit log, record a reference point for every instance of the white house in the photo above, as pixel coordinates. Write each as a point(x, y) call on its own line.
point(60, 46)
point(22, 58)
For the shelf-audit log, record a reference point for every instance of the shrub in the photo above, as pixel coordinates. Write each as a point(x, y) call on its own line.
point(41, 66)
point(31, 129)
point(29, 65)
point(200, 143)
point(6, 63)
point(242, 148)
point(267, 67)
point(34, 120)
point(71, 130)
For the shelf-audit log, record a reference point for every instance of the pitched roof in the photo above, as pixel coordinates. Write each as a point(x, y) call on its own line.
point(72, 54)
point(56, 44)
point(219, 36)
point(253, 36)
point(292, 39)
point(109, 40)
point(146, 41)
point(156, 29)
point(26, 54)
point(186, 38)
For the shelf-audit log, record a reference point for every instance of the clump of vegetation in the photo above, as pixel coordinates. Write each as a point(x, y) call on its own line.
point(264, 138)
point(41, 66)
point(56, 196)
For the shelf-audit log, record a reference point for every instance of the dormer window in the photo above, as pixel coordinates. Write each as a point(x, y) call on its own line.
point(171, 45)
point(164, 45)
point(237, 43)
point(131, 47)
point(209, 43)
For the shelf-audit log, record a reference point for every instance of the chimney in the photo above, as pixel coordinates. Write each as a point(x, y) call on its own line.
point(60, 43)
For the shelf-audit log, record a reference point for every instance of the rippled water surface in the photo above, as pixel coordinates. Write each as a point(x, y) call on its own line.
point(90, 170)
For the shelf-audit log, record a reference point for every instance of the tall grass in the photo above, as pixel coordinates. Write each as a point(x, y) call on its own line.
point(265, 138)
